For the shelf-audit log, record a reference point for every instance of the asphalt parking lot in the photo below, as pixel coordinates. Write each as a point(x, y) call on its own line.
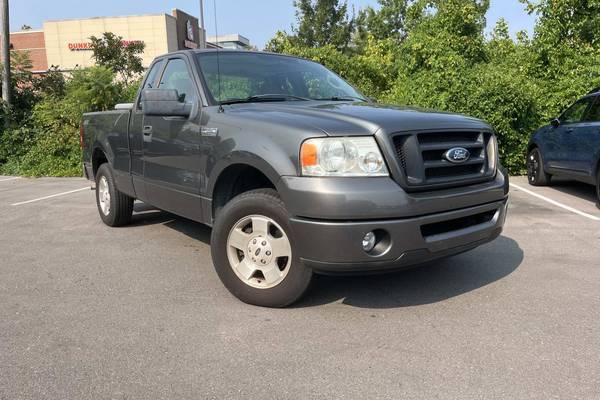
point(87, 311)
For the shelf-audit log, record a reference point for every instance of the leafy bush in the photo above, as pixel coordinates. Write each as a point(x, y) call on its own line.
point(47, 142)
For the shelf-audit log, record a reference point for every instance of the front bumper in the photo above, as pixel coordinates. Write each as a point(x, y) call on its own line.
point(337, 246)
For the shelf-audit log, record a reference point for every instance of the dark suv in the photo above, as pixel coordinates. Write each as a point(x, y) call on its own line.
point(569, 147)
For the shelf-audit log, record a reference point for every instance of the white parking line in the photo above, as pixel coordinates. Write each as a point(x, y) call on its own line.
point(51, 196)
point(10, 179)
point(556, 203)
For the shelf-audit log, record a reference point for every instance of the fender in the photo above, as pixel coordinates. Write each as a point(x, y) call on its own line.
point(243, 158)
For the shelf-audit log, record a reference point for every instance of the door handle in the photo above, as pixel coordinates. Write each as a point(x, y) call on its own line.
point(570, 130)
point(147, 134)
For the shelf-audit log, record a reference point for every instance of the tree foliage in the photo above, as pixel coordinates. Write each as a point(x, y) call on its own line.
point(122, 58)
point(43, 134)
point(320, 23)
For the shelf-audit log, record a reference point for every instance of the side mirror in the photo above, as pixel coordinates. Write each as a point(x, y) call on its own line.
point(555, 122)
point(165, 103)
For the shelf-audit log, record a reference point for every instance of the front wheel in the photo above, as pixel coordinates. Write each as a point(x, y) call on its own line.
point(253, 251)
point(536, 175)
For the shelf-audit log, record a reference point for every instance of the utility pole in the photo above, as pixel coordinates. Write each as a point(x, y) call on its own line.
point(202, 27)
point(5, 32)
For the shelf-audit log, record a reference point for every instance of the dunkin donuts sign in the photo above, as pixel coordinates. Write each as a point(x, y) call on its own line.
point(83, 46)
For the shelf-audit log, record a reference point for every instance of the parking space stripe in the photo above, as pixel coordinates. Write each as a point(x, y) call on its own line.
point(10, 179)
point(556, 203)
point(51, 196)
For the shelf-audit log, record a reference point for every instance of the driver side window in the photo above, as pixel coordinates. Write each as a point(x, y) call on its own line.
point(177, 76)
point(594, 114)
point(150, 79)
point(576, 112)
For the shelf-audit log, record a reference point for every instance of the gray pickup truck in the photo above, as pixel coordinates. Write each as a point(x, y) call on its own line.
point(295, 170)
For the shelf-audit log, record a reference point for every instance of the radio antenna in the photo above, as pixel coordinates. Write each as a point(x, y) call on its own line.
point(221, 109)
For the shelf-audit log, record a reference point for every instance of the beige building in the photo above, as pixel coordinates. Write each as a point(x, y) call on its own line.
point(66, 43)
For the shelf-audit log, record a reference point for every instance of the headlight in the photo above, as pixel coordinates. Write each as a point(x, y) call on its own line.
point(347, 156)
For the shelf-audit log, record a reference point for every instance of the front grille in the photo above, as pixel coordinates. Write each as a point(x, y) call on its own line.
point(440, 228)
point(421, 158)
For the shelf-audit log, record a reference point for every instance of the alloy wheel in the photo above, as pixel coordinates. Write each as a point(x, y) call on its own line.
point(259, 251)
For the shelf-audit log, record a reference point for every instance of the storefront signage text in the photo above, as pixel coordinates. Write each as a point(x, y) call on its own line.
point(84, 46)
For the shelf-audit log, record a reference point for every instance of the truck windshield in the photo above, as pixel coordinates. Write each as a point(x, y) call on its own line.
point(254, 77)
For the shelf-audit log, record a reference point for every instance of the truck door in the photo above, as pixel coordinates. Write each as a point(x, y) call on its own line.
point(172, 148)
point(136, 141)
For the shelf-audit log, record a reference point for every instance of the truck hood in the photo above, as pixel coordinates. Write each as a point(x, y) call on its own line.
point(350, 119)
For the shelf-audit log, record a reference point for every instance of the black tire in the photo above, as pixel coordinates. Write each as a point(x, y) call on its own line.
point(536, 175)
point(121, 205)
point(267, 203)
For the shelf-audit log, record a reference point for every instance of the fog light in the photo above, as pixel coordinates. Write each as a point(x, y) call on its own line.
point(368, 242)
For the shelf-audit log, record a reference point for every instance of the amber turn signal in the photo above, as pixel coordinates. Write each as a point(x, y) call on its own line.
point(308, 154)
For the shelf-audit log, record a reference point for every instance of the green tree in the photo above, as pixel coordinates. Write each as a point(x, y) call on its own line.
point(388, 22)
point(570, 22)
point(124, 59)
point(24, 96)
point(322, 22)
point(565, 50)
point(51, 83)
point(94, 89)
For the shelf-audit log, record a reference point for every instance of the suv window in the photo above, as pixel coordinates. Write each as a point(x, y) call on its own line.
point(594, 114)
point(177, 76)
point(576, 112)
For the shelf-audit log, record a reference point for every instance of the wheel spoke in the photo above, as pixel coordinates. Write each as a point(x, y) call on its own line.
point(260, 226)
point(271, 273)
point(245, 269)
point(239, 239)
point(281, 247)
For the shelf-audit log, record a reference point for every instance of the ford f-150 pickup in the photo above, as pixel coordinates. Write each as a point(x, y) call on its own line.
point(295, 170)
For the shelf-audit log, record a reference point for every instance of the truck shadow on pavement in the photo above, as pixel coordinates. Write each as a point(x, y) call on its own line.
point(145, 215)
point(431, 283)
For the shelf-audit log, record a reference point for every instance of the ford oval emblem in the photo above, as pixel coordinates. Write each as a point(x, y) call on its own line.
point(457, 155)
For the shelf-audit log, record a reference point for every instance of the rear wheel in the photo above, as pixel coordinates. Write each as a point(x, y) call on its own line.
point(253, 251)
point(115, 208)
point(536, 175)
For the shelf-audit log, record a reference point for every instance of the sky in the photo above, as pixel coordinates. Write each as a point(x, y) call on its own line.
point(258, 20)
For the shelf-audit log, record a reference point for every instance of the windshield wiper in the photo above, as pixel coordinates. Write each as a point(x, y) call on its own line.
point(264, 97)
point(343, 98)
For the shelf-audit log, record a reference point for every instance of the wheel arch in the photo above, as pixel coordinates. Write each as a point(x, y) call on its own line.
point(237, 178)
point(99, 157)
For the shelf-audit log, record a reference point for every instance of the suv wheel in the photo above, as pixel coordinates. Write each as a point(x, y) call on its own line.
point(535, 169)
point(253, 251)
point(115, 208)
point(598, 188)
